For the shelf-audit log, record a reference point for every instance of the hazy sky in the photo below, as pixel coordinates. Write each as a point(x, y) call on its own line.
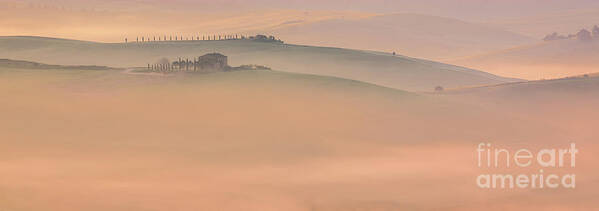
point(466, 9)
point(463, 9)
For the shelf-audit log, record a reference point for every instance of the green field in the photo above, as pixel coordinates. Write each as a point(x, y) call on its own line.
point(373, 67)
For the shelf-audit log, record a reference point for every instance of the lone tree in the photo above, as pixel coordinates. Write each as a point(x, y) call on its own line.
point(439, 89)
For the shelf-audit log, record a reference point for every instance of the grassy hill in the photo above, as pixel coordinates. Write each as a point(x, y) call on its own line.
point(563, 22)
point(416, 35)
point(298, 141)
point(373, 67)
point(570, 103)
point(542, 93)
point(587, 83)
point(34, 65)
point(548, 60)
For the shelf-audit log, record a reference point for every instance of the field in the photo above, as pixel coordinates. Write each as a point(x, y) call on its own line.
point(383, 69)
point(299, 105)
point(547, 60)
point(271, 140)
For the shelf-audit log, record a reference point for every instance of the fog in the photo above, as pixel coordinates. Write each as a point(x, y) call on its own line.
point(357, 114)
point(98, 140)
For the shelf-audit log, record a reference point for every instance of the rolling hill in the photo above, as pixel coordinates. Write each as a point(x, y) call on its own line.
point(373, 67)
point(576, 86)
point(563, 22)
point(570, 103)
point(116, 141)
point(34, 65)
point(546, 60)
point(415, 35)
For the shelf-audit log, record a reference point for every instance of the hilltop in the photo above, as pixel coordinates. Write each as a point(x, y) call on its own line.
point(575, 85)
point(34, 65)
point(416, 35)
point(373, 67)
point(569, 103)
point(552, 59)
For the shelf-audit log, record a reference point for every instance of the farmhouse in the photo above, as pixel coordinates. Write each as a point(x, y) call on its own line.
point(213, 61)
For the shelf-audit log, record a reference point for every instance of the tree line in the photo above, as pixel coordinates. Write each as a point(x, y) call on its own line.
point(583, 35)
point(169, 38)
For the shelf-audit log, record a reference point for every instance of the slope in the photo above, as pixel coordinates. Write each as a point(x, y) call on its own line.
point(554, 59)
point(373, 67)
point(415, 35)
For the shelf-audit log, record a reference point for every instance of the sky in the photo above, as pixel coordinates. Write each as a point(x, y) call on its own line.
point(462, 9)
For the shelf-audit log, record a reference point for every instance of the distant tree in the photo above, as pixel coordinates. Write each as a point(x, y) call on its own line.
point(264, 38)
point(596, 31)
point(393, 53)
point(584, 35)
point(556, 36)
point(261, 37)
point(439, 89)
point(552, 36)
point(163, 61)
point(586, 75)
